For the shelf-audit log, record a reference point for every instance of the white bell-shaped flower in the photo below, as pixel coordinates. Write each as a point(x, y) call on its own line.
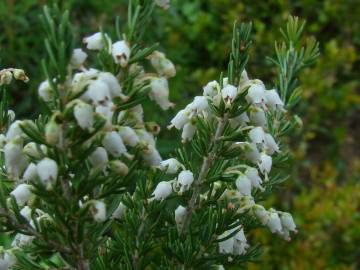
point(26, 213)
point(78, 58)
point(257, 116)
point(30, 173)
point(180, 214)
point(106, 111)
point(211, 89)
point(121, 53)
point(162, 190)
point(261, 213)
point(243, 185)
point(199, 104)
point(14, 131)
point(240, 243)
point(151, 155)
point(47, 170)
point(273, 100)
point(254, 177)
point(170, 166)
point(287, 222)
point(180, 119)
point(274, 222)
point(227, 246)
point(251, 152)
point(229, 93)
point(146, 137)
point(271, 145)
point(257, 135)
point(35, 151)
point(98, 91)
point(7, 260)
point(265, 163)
point(15, 161)
point(129, 136)
point(11, 115)
point(84, 115)
point(98, 211)
point(256, 92)
point(160, 92)
point(45, 91)
point(119, 211)
point(95, 41)
point(99, 158)
point(185, 179)
point(114, 144)
point(112, 83)
point(188, 132)
point(21, 194)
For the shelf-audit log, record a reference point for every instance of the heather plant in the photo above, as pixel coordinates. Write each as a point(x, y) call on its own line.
point(83, 185)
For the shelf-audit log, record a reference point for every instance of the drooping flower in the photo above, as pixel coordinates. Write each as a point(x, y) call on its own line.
point(271, 145)
point(162, 190)
point(257, 135)
point(114, 144)
point(265, 163)
point(99, 158)
point(273, 100)
point(170, 165)
point(274, 222)
point(119, 211)
point(47, 170)
point(188, 132)
point(151, 155)
point(45, 91)
point(84, 115)
point(98, 91)
point(180, 119)
point(30, 173)
point(21, 194)
point(243, 185)
point(180, 214)
point(254, 177)
point(162, 65)
point(211, 89)
point(129, 136)
point(95, 41)
point(185, 179)
point(121, 53)
point(98, 211)
point(78, 58)
point(256, 92)
point(160, 92)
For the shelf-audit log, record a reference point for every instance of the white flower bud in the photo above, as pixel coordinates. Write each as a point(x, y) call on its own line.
point(162, 65)
point(114, 144)
point(258, 116)
point(180, 214)
point(243, 185)
point(5, 77)
point(7, 260)
point(45, 91)
point(14, 131)
point(129, 136)
point(47, 169)
point(180, 119)
point(119, 211)
point(119, 167)
point(98, 211)
point(121, 53)
point(261, 213)
point(185, 179)
point(15, 161)
point(95, 41)
point(112, 83)
point(19, 74)
point(30, 172)
point(256, 92)
point(21, 194)
point(211, 89)
point(229, 93)
point(274, 222)
point(11, 115)
point(254, 177)
point(151, 155)
point(53, 132)
point(160, 92)
point(265, 163)
point(271, 145)
point(78, 58)
point(170, 166)
point(99, 92)
point(84, 115)
point(273, 100)
point(165, 4)
point(287, 222)
point(162, 190)
point(188, 132)
point(99, 158)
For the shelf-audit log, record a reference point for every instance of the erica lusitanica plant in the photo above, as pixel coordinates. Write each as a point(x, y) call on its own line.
point(83, 185)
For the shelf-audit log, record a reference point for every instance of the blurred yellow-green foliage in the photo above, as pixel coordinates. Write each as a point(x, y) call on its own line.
point(324, 190)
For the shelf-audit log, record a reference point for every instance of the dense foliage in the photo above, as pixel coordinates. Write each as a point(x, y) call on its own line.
point(195, 34)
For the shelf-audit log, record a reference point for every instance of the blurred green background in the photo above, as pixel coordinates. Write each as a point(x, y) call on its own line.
point(324, 190)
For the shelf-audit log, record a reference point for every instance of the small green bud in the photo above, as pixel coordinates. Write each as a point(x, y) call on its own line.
point(119, 167)
point(52, 132)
